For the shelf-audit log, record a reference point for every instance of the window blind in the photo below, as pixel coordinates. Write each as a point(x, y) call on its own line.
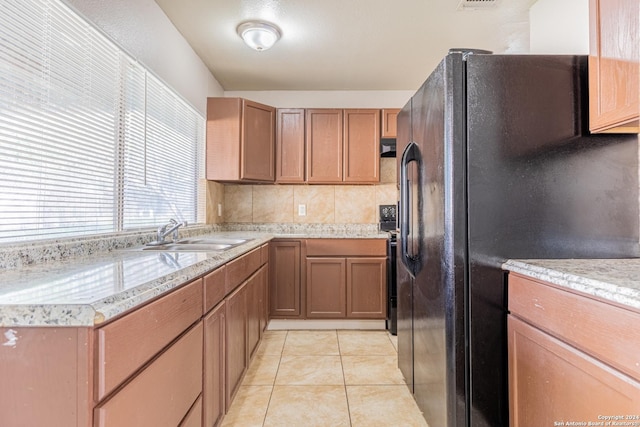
point(90, 141)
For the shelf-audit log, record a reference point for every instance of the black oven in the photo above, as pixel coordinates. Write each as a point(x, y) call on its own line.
point(392, 288)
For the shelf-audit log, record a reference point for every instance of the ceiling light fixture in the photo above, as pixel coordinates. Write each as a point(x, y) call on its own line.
point(258, 35)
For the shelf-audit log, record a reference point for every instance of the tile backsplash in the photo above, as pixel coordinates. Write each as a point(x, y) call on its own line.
point(324, 204)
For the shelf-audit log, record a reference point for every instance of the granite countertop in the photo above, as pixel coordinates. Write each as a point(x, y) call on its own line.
point(92, 286)
point(616, 280)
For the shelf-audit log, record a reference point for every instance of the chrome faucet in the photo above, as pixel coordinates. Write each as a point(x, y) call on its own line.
point(164, 230)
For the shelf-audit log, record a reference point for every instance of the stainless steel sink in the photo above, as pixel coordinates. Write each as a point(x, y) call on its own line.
point(213, 241)
point(188, 247)
point(196, 244)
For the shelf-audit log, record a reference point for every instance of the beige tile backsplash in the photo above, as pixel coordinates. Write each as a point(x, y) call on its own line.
point(325, 204)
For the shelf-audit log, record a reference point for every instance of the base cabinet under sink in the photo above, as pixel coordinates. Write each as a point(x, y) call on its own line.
point(176, 360)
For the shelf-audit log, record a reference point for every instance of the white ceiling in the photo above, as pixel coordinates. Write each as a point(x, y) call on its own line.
point(343, 44)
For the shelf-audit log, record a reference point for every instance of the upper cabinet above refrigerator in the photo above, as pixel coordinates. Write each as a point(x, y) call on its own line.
point(389, 122)
point(614, 66)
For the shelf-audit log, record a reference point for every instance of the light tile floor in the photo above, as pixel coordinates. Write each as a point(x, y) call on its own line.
point(324, 378)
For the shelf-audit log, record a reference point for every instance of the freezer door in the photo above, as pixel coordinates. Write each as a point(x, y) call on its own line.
point(439, 286)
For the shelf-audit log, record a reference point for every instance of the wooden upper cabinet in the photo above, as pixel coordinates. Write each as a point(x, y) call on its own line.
point(361, 146)
point(323, 145)
point(240, 140)
point(390, 122)
point(614, 66)
point(290, 145)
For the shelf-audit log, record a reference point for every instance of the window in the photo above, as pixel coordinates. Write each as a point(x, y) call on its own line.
point(90, 141)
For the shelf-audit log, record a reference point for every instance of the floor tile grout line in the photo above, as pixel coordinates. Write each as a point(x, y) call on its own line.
point(344, 380)
point(273, 386)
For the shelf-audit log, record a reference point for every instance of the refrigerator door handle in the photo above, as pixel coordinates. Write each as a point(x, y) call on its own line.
point(410, 154)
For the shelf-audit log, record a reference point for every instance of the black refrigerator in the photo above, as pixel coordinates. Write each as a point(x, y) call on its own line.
point(496, 163)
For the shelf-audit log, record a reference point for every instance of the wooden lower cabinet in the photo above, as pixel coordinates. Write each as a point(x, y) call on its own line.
point(236, 341)
point(46, 377)
point(572, 358)
point(552, 382)
point(163, 393)
point(144, 332)
point(176, 361)
point(194, 417)
point(285, 299)
point(326, 288)
point(213, 392)
point(346, 288)
point(255, 309)
point(366, 288)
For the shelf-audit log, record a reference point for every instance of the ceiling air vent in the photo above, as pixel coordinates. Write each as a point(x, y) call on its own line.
point(477, 4)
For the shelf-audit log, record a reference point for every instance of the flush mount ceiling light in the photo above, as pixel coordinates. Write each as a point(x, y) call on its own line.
point(258, 35)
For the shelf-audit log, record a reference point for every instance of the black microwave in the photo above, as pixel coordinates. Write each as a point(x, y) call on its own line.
point(388, 147)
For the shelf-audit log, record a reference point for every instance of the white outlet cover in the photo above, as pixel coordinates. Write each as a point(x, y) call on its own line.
point(302, 210)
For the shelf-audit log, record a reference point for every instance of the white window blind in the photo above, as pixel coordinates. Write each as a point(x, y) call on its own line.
point(90, 141)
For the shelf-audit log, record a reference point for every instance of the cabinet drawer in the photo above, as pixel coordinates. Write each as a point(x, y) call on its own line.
point(214, 288)
point(128, 343)
point(346, 247)
point(163, 392)
point(607, 332)
point(194, 417)
point(241, 268)
point(264, 254)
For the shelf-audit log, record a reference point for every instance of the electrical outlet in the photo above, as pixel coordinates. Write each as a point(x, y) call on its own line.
point(302, 210)
point(219, 209)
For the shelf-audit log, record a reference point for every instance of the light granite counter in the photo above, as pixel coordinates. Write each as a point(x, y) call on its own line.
point(616, 280)
point(64, 284)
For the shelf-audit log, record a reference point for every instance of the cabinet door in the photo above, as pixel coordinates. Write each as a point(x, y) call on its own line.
point(367, 288)
point(326, 287)
point(258, 148)
point(194, 417)
point(614, 65)
point(290, 145)
point(214, 357)
point(224, 118)
point(551, 382)
point(236, 341)
point(284, 281)
point(361, 145)
point(390, 122)
point(254, 311)
point(323, 145)
point(46, 376)
point(264, 298)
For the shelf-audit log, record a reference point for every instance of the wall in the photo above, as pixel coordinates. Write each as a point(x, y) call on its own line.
point(559, 27)
point(328, 98)
point(142, 29)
